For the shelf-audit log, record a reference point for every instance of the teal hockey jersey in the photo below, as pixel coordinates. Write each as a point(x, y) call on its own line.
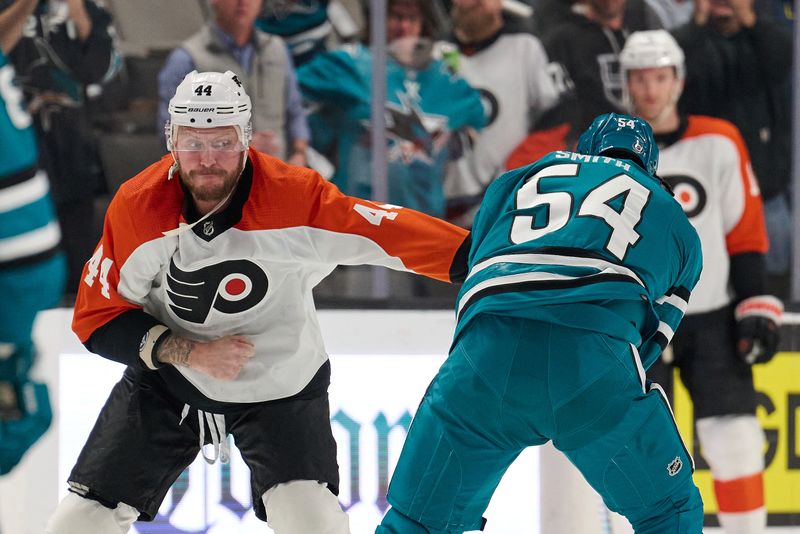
point(424, 107)
point(574, 239)
point(28, 229)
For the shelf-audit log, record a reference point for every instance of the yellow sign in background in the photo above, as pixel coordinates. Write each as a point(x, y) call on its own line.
point(778, 387)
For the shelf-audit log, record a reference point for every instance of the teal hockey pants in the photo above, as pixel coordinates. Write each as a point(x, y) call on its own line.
point(510, 383)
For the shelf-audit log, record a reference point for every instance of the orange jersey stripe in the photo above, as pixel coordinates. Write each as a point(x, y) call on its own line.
point(750, 234)
point(740, 494)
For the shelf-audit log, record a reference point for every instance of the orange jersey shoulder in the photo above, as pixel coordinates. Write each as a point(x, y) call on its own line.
point(285, 196)
point(144, 207)
point(749, 234)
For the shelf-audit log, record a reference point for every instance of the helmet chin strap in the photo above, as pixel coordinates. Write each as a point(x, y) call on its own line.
point(173, 168)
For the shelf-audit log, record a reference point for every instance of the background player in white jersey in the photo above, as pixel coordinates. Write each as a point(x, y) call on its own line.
point(581, 266)
point(202, 285)
point(730, 323)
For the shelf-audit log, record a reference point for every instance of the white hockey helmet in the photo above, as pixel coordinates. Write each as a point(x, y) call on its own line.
point(210, 100)
point(650, 49)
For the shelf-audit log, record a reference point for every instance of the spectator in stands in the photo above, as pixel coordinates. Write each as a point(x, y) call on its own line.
point(585, 52)
point(511, 72)
point(550, 14)
point(426, 103)
point(731, 323)
point(65, 46)
point(310, 28)
point(672, 13)
point(13, 17)
point(738, 67)
point(262, 62)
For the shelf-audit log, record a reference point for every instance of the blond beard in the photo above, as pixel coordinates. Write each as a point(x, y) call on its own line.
point(213, 194)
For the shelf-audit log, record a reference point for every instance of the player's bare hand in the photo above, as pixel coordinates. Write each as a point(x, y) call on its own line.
point(744, 12)
point(702, 9)
point(222, 358)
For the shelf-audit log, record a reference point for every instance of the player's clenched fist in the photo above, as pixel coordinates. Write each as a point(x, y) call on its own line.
point(222, 358)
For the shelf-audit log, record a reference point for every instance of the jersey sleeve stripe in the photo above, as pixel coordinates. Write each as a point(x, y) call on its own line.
point(674, 300)
point(532, 281)
point(17, 177)
point(666, 331)
point(30, 243)
point(32, 259)
point(680, 292)
point(553, 259)
point(24, 193)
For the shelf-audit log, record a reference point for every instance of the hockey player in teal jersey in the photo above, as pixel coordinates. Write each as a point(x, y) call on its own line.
point(581, 268)
point(31, 273)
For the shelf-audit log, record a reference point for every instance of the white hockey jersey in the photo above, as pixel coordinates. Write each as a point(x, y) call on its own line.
point(513, 78)
point(249, 270)
point(709, 170)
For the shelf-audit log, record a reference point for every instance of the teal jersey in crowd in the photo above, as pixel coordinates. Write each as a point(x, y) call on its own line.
point(424, 107)
point(303, 25)
point(288, 19)
point(18, 148)
point(574, 239)
point(31, 270)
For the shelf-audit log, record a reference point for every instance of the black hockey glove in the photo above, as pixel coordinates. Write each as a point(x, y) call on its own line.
point(758, 321)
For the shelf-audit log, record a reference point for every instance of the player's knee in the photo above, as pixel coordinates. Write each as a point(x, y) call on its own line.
point(77, 515)
point(302, 506)
point(733, 445)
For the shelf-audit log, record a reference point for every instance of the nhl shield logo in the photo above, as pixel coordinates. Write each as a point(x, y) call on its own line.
point(674, 467)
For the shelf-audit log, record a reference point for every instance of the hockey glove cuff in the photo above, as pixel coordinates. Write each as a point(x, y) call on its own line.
point(758, 320)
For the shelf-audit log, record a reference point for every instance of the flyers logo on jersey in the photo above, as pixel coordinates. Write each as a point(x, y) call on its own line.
point(689, 192)
point(229, 287)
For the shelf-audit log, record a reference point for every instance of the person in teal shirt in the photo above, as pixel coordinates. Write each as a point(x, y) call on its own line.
point(426, 105)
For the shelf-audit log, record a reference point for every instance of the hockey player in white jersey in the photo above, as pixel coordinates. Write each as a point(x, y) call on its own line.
point(202, 285)
point(730, 323)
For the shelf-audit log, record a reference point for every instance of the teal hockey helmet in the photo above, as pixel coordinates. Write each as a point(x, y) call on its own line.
point(621, 136)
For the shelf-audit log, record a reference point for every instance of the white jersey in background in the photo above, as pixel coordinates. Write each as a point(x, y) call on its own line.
point(709, 169)
point(512, 75)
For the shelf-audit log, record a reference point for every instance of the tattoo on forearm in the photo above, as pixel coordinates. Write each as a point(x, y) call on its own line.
point(175, 350)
